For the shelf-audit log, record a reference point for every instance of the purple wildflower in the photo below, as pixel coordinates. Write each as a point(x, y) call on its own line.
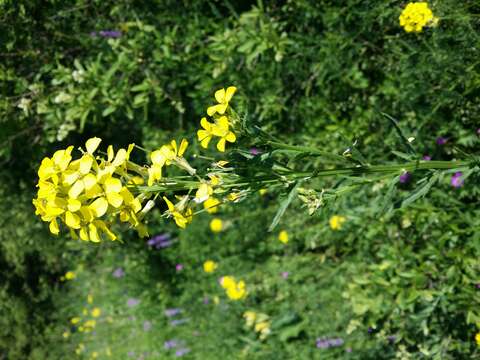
point(179, 267)
point(254, 151)
point(113, 34)
point(181, 352)
point(206, 300)
point(147, 325)
point(457, 180)
point(285, 274)
point(169, 344)
point(391, 338)
point(427, 157)
point(327, 343)
point(131, 353)
point(172, 312)
point(118, 273)
point(348, 350)
point(405, 177)
point(478, 131)
point(133, 302)
point(160, 241)
point(441, 140)
point(178, 322)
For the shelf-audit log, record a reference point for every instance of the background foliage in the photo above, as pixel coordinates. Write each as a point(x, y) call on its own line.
point(318, 73)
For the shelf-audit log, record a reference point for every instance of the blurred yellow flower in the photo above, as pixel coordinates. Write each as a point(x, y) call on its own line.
point(90, 323)
point(211, 205)
point(477, 338)
point(70, 275)
point(209, 266)
point(262, 191)
point(250, 317)
point(283, 236)
point(336, 222)
point(90, 298)
point(75, 320)
point(96, 312)
point(416, 16)
point(66, 334)
point(216, 225)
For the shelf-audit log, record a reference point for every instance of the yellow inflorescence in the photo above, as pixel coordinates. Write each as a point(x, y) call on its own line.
point(260, 323)
point(234, 290)
point(416, 16)
point(221, 126)
point(209, 266)
point(88, 193)
point(336, 222)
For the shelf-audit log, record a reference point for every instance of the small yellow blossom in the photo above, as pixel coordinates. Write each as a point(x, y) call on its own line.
point(336, 222)
point(221, 129)
point(216, 225)
point(181, 214)
point(416, 16)
point(234, 290)
point(75, 320)
point(283, 237)
point(96, 312)
point(211, 205)
point(66, 334)
point(209, 266)
point(70, 275)
point(90, 298)
point(262, 191)
point(80, 348)
point(205, 135)
point(223, 98)
point(90, 323)
point(477, 338)
point(94, 355)
point(250, 317)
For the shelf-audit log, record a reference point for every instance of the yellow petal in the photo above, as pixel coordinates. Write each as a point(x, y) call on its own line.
point(170, 205)
point(110, 153)
point(69, 177)
point(230, 137)
point(84, 234)
point(112, 185)
point(229, 93)
point(93, 233)
point(157, 158)
point(86, 164)
point(54, 229)
point(205, 124)
point(87, 214)
point(120, 158)
point(99, 207)
point(126, 195)
point(221, 145)
point(76, 189)
point(89, 181)
point(92, 144)
point(74, 205)
point(220, 95)
point(114, 199)
point(183, 147)
point(95, 191)
point(72, 220)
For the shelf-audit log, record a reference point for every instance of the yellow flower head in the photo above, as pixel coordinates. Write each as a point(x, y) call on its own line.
point(416, 16)
point(89, 298)
point(69, 275)
point(75, 320)
point(237, 292)
point(211, 205)
point(181, 214)
point(283, 237)
point(209, 266)
point(96, 312)
point(223, 98)
point(221, 129)
point(250, 317)
point(216, 225)
point(336, 222)
point(477, 338)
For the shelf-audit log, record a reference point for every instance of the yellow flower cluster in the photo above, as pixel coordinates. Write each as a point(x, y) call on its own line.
point(221, 123)
point(86, 194)
point(260, 323)
point(336, 222)
point(234, 290)
point(416, 16)
point(209, 266)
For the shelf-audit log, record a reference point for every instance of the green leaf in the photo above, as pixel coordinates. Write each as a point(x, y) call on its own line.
point(284, 205)
point(421, 191)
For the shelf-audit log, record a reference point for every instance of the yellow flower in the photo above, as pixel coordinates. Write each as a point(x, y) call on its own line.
point(209, 266)
point(250, 317)
point(221, 129)
point(181, 215)
point(94, 355)
point(263, 328)
point(238, 291)
point(80, 348)
point(96, 312)
point(227, 282)
point(66, 334)
point(336, 222)
point(223, 98)
point(283, 237)
point(89, 298)
point(69, 275)
point(477, 338)
point(75, 320)
point(416, 16)
point(205, 135)
point(165, 156)
point(216, 225)
point(90, 323)
point(211, 205)
point(262, 191)
point(203, 193)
